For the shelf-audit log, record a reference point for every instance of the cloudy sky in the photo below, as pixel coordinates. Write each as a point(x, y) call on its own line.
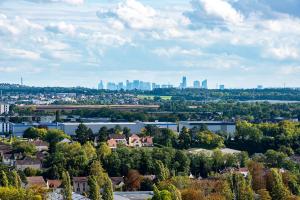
point(239, 43)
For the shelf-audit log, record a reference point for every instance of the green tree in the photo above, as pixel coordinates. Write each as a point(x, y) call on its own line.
point(83, 133)
point(103, 151)
point(16, 180)
point(264, 194)
point(242, 187)
point(184, 139)
point(103, 134)
point(162, 171)
point(278, 190)
point(66, 183)
point(107, 193)
point(94, 191)
point(98, 172)
point(3, 179)
point(89, 150)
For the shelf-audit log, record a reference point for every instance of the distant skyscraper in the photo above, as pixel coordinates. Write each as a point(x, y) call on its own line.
point(111, 86)
point(196, 84)
point(260, 87)
point(121, 86)
point(136, 85)
point(222, 87)
point(100, 85)
point(204, 84)
point(184, 83)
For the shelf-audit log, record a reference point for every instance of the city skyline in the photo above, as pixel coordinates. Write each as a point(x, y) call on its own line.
point(241, 43)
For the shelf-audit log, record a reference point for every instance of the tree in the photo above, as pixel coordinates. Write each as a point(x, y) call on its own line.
point(3, 179)
point(162, 171)
point(264, 194)
point(103, 151)
point(161, 195)
point(242, 188)
point(108, 190)
point(126, 132)
point(83, 133)
point(34, 133)
point(184, 139)
point(258, 175)
point(98, 172)
point(103, 134)
point(66, 183)
point(210, 140)
point(16, 180)
point(24, 147)
point(278, 190)
point(94, 191)
point(89, 150)
point(133, 180)
point(53, 136)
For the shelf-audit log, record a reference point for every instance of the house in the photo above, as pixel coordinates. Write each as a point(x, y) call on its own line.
point(147, 141)
point(134, 141)
point(119, 138)
point(54, 184)
point(80, 184)
point(28, 162)
point(35, 181)
point(8, 159)
point(118, 183)
point(40, 145)
point(244, 171)
point(112, 143)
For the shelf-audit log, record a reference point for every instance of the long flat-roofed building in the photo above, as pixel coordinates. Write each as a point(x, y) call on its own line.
point(213, 126)
point(70, 128)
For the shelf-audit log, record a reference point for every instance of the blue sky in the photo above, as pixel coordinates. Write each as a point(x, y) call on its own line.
point(239, 43)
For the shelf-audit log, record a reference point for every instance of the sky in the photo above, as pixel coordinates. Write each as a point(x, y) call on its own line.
point(239, 43)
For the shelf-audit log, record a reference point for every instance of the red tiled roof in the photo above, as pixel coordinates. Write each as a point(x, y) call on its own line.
point(54, 183)
point(117, 136)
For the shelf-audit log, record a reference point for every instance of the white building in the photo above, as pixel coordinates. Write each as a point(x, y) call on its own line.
point(4, 108)
point(213, 126)
point(4, 128)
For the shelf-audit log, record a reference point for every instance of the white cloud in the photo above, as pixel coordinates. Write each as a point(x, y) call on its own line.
point(8, 69)
point(177, 51)
point(61, 27)
point(282, 53)
point(132, 13)
point(223, 10)
point(21, 53)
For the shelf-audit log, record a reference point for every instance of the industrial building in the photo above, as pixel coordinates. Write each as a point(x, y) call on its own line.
point(69, 128)
point(213, 126)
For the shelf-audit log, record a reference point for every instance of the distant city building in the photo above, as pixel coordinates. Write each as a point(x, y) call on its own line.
point(121, 86)
point(111, 86)
point(260, 87)
point(204, 84)
point(167, 86)
point(183, 84)
point(196, 84)
point(222, 87)
point(4, 108)
point(155, 86)
point(100, 85)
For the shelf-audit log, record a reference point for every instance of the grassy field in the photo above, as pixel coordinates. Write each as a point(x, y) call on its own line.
point(152, 97)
